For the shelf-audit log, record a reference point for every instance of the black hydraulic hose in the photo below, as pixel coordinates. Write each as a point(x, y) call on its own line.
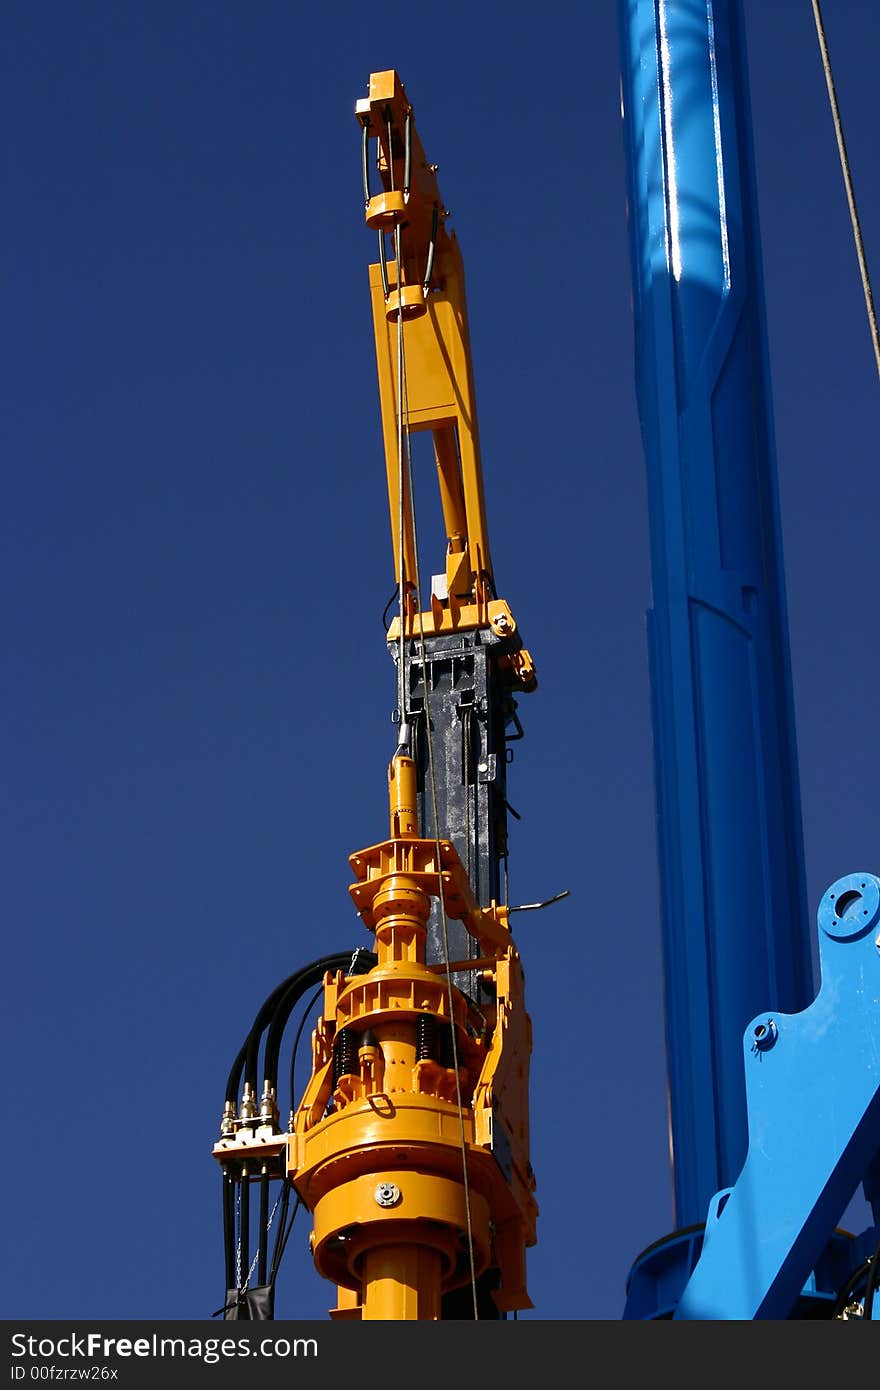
point(389, 129)
point(296, 1206)
point(407, 153)
point(432, 246)
point(387, 624)
point(275, 1011)
point(307, 1013)
point(229, 1228)
point(352, 962)
point(365, 161)
point(848, 1291)
point(244, 1227)
point(248, 1052)
point(286, 1003)
point(873, 1283)
point(383, 263)
point(251, 1065)
point(257, 1028)
point(279, 1233)
point(264, 1228)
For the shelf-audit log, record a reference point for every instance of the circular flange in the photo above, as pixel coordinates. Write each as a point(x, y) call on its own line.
point(409, 299)
point(851, 907)
point(385, 209)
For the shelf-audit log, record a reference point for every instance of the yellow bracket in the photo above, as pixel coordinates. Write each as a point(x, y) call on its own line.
point(453, 616)
point(417, 860)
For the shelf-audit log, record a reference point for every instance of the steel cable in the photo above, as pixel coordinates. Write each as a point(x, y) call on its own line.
point(847, 179)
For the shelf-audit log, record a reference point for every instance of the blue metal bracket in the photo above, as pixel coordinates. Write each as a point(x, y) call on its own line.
point(658, 1276)
point(813, 1100)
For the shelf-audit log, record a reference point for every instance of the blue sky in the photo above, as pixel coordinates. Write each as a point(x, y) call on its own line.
point(196, 556)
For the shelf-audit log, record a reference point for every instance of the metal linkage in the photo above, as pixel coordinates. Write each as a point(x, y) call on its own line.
point(813, 1099)
point(770, 1246)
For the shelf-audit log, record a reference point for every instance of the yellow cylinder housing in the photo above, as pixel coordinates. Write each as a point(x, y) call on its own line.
point(384, 209)
point(393, 1207)
point(409, 299)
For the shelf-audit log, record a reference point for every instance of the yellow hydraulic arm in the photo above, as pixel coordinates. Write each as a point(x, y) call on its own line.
point(426, 382)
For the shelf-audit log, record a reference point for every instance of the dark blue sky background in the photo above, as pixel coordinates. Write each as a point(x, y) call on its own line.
point(196, 556)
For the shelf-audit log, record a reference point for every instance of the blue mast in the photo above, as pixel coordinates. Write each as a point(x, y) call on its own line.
point(734, 907)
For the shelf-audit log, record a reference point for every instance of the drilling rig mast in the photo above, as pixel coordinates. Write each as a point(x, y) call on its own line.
point(410, 1144)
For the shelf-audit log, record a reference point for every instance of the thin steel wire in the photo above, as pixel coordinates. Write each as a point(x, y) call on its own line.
point(847, 179)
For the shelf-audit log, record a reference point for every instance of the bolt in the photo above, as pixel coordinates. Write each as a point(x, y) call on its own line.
point(764, 1035)
point(502, 623)
point(387, 1194)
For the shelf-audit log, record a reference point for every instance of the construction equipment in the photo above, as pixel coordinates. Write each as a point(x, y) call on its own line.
point(410, 1144)
point(774, 1100)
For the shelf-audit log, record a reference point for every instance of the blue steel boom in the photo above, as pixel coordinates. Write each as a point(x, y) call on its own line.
point(803, 1100)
